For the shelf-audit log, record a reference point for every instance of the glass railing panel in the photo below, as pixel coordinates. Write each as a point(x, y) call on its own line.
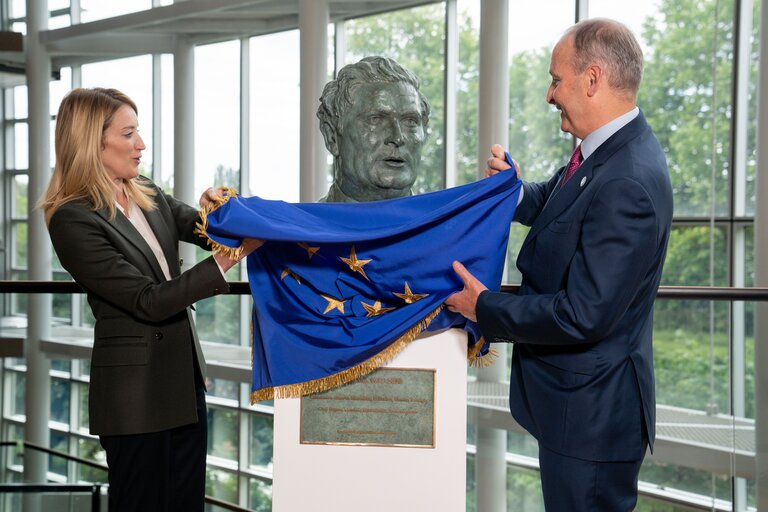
point(259, 496)
point(58, 489)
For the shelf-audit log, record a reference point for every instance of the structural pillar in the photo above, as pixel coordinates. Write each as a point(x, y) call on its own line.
point(493, 127)
point(184, 133)
point(741, 117)
point(37, 393)
point(761, 272)
point(313, 74)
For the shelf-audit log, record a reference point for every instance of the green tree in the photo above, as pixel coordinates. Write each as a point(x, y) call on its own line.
point(226, 177)
point(686, 96)
point(535, 139)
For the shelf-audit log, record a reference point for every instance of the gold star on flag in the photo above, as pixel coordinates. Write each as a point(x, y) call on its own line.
point(333, 303)
point(375, 309)
point(408, 296)
point(355, 265)
point(310, 250)
point(289, 272)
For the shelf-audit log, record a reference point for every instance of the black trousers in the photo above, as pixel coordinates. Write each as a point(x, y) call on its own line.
point(161, 471)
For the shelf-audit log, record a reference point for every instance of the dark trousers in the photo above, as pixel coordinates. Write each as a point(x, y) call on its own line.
point(161, 471)
point(575, 485)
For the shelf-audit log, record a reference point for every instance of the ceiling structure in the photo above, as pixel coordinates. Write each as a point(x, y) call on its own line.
point(197, 21)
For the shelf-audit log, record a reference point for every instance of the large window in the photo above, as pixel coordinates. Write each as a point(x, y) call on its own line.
point(274, 116)
point(699, 93)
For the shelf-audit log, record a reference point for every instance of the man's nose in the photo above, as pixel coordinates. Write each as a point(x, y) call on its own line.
point(551, 95)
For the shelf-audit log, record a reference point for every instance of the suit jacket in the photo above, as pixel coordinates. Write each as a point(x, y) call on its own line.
point(582, 368)
point(145, 350)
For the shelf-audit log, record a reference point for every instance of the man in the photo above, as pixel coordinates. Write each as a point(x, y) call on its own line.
point(374, 122)
point(582, 369)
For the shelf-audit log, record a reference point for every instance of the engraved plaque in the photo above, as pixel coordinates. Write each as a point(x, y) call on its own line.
point(388, 407)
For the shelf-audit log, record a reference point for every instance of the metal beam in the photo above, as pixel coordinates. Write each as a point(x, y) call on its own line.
point(113, 45)
point(169, 13)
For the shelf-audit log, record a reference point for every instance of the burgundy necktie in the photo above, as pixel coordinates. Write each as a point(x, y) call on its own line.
point(573, 164)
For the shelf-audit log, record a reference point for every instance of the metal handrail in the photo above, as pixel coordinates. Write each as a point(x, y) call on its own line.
point(27, 488)
point(57, 453)
point(242, 288)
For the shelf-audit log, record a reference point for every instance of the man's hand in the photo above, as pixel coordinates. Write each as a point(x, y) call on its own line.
point(465, 301)
point(498, 162)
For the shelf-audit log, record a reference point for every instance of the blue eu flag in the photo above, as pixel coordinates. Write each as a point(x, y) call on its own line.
point(339, 289)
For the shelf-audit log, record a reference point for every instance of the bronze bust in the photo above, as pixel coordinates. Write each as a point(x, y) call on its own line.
point(374, 122)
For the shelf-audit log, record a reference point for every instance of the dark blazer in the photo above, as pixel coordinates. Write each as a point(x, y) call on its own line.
point(582, 368)
point(145, 350)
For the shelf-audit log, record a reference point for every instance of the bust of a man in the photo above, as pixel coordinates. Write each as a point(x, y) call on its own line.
point(374, 121)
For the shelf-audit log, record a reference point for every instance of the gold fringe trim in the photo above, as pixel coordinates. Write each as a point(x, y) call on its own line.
point(350, 374)
point(201, 227)
point(478, 361)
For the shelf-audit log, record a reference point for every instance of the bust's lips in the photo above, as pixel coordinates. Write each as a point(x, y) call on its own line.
point(394, 161)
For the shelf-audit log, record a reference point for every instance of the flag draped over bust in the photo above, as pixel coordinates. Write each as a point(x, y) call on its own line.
point(340, 288)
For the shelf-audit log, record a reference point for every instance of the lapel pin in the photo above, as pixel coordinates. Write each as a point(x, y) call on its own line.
point(583, 181)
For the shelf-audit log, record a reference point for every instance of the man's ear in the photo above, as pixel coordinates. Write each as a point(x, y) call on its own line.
point(594, 75)
point(331, 140)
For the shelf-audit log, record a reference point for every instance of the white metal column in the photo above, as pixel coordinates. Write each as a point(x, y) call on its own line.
point(761, 272)
point(313, 30)
point(738, 337)
point(184, 133)
point(451, 78)
point(245, 302)
point(493, 127)
point(38, 386)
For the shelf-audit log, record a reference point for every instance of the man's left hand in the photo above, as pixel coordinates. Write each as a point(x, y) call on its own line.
point(465, 301)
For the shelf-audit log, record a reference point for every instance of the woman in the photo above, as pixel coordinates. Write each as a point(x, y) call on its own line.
point(117, 234)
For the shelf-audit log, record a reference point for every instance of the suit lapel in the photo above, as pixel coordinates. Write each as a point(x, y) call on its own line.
point(564, 196)
point(123, 226)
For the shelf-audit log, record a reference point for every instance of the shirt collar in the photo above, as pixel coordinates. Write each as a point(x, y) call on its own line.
point(597, 137)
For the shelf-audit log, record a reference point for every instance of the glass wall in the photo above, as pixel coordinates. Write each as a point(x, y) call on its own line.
point(699, 93)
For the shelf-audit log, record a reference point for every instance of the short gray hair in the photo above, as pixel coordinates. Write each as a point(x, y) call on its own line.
point(337, 94)
point(612, 45)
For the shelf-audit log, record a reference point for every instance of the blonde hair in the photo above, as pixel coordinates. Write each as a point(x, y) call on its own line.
point(79, 174)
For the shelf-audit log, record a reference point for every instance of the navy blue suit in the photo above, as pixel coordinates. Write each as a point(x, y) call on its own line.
point(582, 368)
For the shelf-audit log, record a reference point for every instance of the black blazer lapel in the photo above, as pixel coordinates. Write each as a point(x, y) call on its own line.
point(123, 226)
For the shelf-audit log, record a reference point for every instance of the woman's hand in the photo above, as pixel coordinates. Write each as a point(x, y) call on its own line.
point(212, 197)
point(249, 245)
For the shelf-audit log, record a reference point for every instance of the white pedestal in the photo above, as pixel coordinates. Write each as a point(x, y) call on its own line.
point(382, 478)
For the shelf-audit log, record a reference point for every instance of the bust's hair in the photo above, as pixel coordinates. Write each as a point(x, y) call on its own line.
point(79, 174)
point(337, 94)
point(612, 45)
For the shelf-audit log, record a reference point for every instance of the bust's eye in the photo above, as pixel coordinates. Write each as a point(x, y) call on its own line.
point(411, 121)
point(375, 119)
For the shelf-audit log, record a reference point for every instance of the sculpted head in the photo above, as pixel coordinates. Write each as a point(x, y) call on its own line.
point(374, 121)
